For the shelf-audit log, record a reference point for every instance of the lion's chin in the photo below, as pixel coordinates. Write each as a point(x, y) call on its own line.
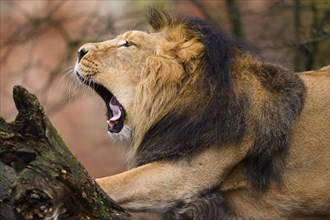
point(123, 137)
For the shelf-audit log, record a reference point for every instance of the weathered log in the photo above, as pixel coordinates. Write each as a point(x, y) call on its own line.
point(40, 178)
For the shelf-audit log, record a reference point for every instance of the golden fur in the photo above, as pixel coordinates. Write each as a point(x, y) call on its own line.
point(249, 142)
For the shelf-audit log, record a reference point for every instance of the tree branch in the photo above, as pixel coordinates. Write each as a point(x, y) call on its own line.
point(40, 178)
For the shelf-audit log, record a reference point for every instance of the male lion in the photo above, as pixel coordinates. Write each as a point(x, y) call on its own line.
point(212, 131)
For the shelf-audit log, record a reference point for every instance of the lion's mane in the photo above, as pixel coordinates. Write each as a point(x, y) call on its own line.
point(238, 95)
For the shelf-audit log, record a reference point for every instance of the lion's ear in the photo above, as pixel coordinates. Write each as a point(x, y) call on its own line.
point(184, 43)
point(190, 50)
point(190, 54)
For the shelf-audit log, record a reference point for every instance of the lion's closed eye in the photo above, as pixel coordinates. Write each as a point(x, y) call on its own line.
point(125, 43)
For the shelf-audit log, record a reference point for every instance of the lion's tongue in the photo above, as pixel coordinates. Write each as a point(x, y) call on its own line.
point(116, 113)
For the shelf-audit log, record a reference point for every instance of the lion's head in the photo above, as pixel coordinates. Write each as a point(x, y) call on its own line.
point(187, 86)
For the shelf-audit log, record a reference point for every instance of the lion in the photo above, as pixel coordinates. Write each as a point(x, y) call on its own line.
point(212, 130)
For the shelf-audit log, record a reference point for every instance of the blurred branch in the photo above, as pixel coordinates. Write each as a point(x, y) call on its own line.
point(306, 50)
point(33, 27)
point(207, 13)
point(312, 47)
point(297, 33)
point(234, 16)
point(29, 31)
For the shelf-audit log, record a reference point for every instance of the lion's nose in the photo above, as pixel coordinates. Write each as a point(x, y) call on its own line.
point(81, 53)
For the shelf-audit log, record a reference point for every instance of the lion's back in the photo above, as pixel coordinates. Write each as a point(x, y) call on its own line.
point(305, 190)
point(311, 132)
point(308, 166)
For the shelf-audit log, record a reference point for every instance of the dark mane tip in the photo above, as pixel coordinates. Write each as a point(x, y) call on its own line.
point(159, 18)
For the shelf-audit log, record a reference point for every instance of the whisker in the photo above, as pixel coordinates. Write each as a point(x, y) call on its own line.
point(66, 74)
point(74, 85)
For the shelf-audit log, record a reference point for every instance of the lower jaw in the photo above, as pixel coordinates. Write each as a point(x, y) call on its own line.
point(123, 137)
point(116, 128)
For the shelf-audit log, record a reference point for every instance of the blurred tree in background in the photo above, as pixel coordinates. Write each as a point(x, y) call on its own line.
point(311, 31)
point(301, 27)
point(39, 40)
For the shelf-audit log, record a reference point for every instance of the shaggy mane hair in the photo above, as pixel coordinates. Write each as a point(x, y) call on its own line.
point(226, 112)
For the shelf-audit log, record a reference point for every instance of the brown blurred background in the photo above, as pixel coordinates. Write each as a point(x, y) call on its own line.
point(39, 40)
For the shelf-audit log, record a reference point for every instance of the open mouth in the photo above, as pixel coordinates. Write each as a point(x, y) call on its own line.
point(115, 111)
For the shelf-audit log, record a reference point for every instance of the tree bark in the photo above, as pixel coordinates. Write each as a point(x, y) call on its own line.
point(40, 178)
